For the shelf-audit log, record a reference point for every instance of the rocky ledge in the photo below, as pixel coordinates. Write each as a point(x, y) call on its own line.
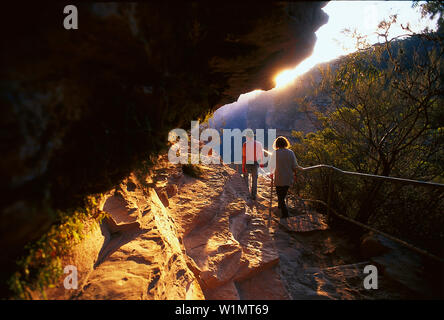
point(172, 236)
point(81, 109)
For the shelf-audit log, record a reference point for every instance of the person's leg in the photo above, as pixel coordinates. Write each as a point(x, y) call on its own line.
point(279, 196)
point(281, 192)
point(254, 182)
point(284, 195)
point(246, 179)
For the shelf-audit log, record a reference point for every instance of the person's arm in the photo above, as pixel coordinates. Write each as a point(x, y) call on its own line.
point(295, 165)
point(244, 157)
point(272, 163)
point(262, 155)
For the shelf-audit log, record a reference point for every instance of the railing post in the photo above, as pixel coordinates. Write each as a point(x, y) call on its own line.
point(379, 178)
point(329, 196)
point(271, 201)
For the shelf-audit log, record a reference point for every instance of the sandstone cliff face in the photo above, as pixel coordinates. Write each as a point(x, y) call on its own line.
point(204, 241)
point(135, 253)
point(81, 109)
point(201, 238)
point(142, 257)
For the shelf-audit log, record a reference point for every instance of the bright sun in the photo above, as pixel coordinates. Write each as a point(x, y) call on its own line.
point(364, 16)
point(284, 78)
point(287, 77)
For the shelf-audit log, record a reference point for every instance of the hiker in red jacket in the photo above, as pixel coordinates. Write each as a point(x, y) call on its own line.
point(252, 158)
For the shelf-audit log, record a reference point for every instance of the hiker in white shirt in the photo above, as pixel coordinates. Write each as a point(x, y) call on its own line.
point(283, 165)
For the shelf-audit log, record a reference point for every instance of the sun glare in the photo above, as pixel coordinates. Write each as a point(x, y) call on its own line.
point(362, 16)
point(284, 78)
point(287, 77)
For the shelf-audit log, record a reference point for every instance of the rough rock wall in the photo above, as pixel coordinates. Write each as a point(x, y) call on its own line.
point(136, 253)
point(225, 236)
point(82, 108)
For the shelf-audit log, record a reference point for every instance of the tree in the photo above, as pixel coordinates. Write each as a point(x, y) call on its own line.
point(432, 8)
point(384, 119)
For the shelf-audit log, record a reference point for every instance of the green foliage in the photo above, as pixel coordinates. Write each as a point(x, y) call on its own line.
point(385, 118)
point(41, 267)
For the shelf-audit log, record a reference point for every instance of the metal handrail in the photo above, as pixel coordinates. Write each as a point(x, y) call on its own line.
point(374, 176)
point(392, 179)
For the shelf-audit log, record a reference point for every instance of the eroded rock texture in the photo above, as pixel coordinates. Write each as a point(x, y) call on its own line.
point(82, 108)
point(212, 242)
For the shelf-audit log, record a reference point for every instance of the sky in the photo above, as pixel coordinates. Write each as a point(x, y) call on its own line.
point(364, 16)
